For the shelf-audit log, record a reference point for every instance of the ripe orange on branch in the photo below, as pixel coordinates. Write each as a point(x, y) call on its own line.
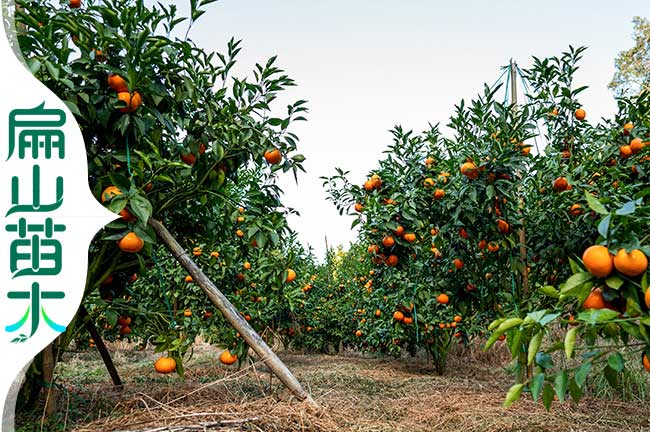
point(388, 241)
point(392, 260)
point(598, 261)
point(375, 180)
point(636, 145)
point(633, 263)
point(117, 83)
point(409, 237)
point(576, 210)
point(560, 184)
point(188, 157)
point(227, 358)
point(503, 226)
point(131, 243)
point(469, 170)
point(132, 100)
point(273, 157)
point(165, 365)
point(109, 193)
point(580, 114)
point(595, 300)
point(443, 299)
point(625, 151)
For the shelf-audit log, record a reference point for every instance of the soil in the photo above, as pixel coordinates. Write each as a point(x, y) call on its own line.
point(354, 392)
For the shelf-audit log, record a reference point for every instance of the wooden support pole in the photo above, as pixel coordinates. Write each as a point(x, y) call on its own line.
point(101, 347)
point(47, 356)
point(232, 315)
point(522, 231)
point(522, 360)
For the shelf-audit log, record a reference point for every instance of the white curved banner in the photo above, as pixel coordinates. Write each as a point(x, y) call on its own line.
point(48, 220)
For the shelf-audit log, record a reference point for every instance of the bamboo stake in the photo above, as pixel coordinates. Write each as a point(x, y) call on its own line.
point(522, 360)
point(232, 315)
point(522, 231)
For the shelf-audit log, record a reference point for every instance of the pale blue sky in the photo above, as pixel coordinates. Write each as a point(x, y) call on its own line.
point(365, 66)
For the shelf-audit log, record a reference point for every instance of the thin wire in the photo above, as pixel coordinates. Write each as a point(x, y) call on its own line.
point(526, 93)
point(128, 157)
point(505, 99)
point(164, 292)
point(415, 312)
point(499, 79)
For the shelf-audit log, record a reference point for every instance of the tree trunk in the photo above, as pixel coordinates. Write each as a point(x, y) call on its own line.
point(231, 315)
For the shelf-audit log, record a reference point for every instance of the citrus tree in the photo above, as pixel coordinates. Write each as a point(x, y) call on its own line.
point(169, 134)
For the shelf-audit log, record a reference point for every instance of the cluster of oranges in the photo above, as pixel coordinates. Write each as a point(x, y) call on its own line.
point(132, 99)
point(131, 242)
point(125, 325)
point(601, 263)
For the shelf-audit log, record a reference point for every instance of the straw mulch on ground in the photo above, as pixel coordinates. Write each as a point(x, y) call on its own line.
point(355, 393)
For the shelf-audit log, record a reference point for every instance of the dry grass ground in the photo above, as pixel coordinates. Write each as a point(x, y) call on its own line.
point(356, 393)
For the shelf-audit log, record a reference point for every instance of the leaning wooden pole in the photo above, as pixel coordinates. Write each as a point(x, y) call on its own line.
point(101, 347)
point(231, 315)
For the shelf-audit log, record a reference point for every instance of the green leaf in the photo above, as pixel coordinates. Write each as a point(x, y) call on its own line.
point(575, 267)
point(52, 69)
point(533, 346)
point(513, 395)
point(593, 316)
point(575, 281)
point(561, 383)
point(547, 396)
point(544, 360)
point(627, 208)
point(34, 66)
point(611, 376)
point(594, 204)
point(548, 318)
point(582, 372)
point(615, 361)
point(614, 282)
point(570, 341)
point(72, 107)
point(111, 317)
point(536, 386)
point(603, 226)
point(141, 208)
point(575, 391)
point(535, 316)
point(503, 327)
point(549, 291)
point(631, 329)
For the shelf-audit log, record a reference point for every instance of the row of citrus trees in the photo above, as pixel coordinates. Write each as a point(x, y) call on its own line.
point(458, 235)
point(171, 135)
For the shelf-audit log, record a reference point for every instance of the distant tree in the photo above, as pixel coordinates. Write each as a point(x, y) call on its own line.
point(633, 66)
